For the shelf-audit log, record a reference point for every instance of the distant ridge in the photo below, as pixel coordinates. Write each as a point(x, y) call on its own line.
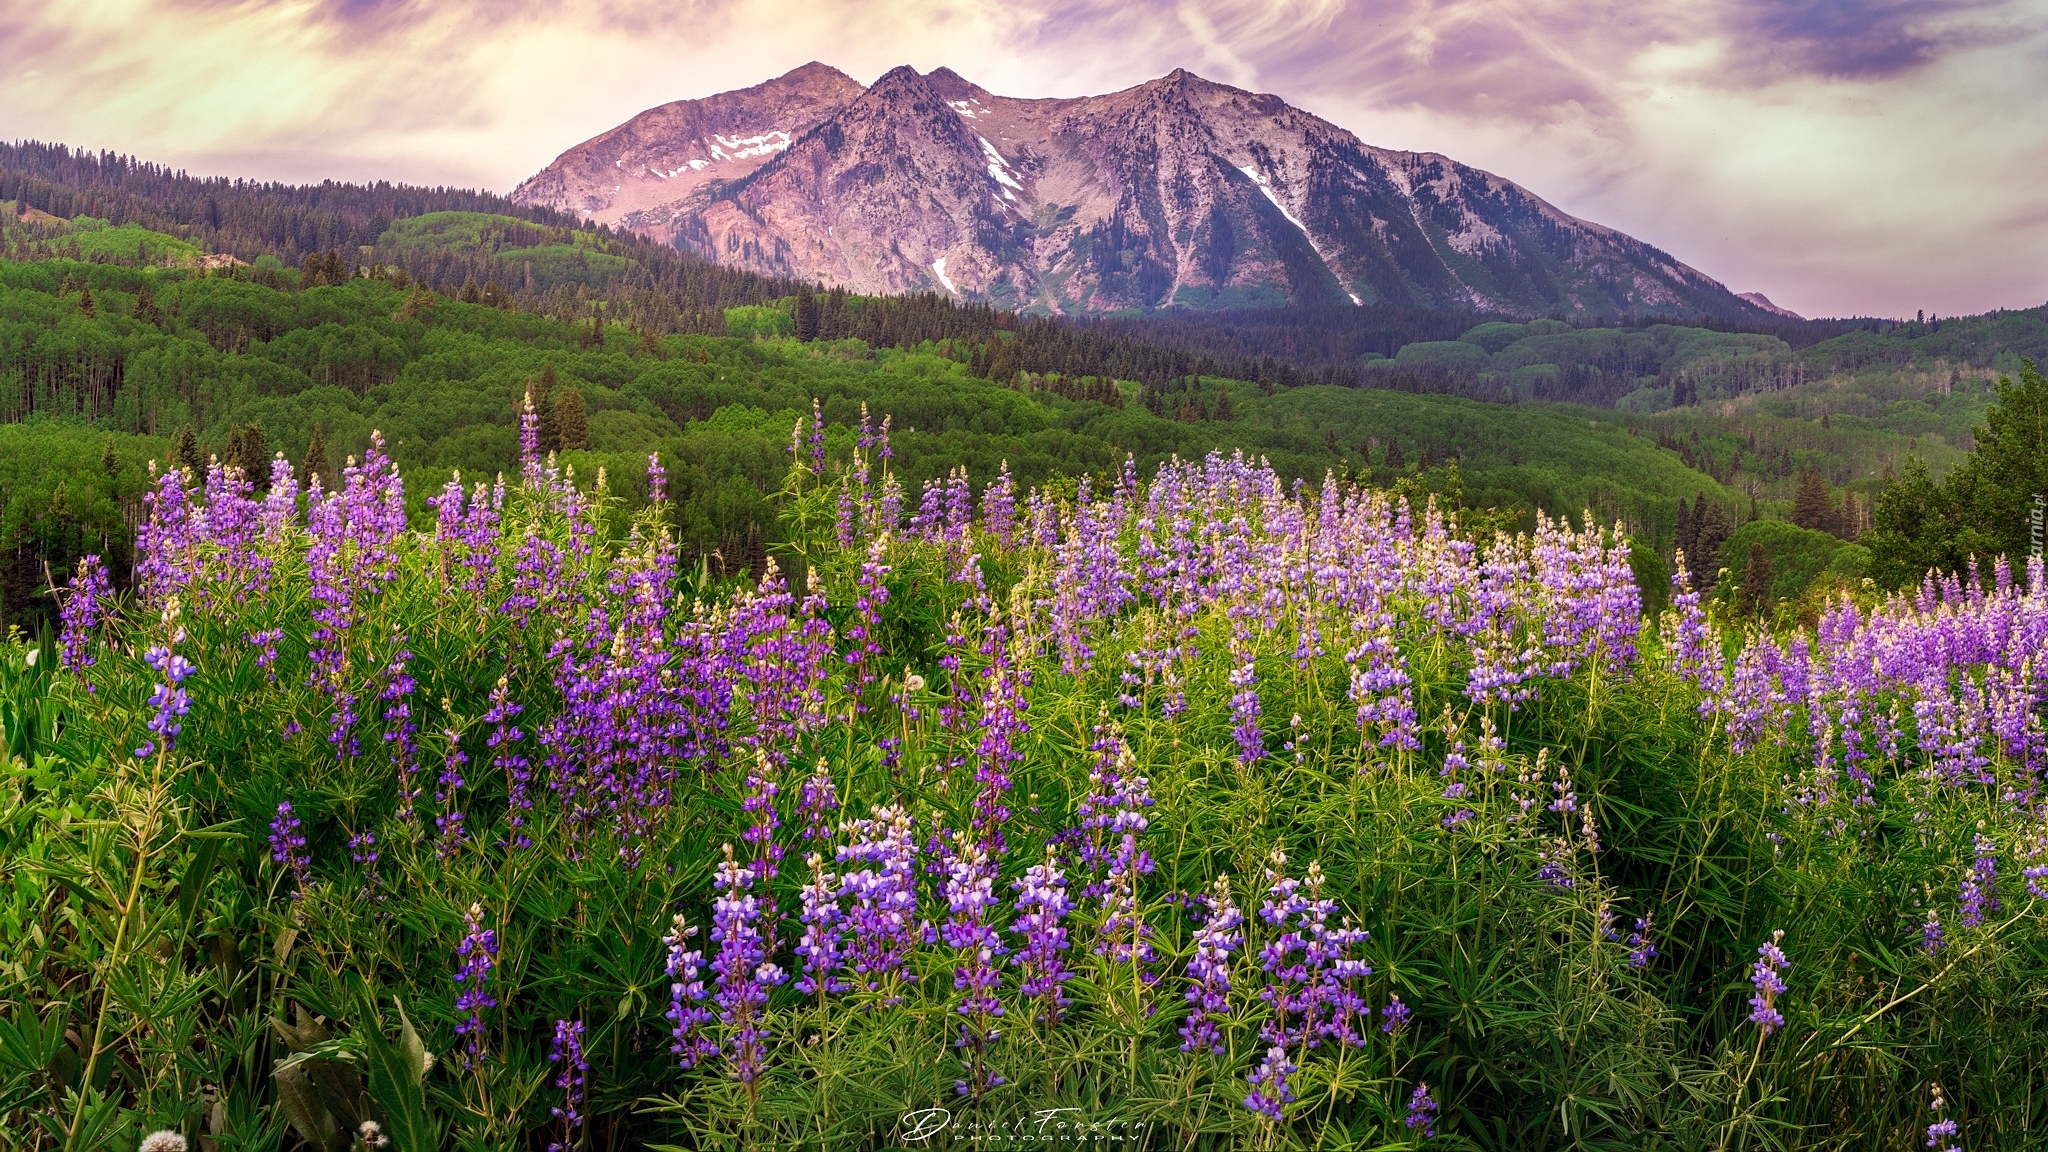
point(1764, 302)
point(1178, 192)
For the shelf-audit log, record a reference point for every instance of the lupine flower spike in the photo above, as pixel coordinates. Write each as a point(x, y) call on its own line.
point(1767, 974)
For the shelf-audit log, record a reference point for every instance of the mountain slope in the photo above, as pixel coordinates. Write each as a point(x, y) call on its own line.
point(1178, 192)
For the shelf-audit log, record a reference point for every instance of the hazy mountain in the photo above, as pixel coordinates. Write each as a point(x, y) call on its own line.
point(1179, 191)
point(1764, 302)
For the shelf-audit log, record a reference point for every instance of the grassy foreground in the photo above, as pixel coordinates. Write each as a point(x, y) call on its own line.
point(1204, 811)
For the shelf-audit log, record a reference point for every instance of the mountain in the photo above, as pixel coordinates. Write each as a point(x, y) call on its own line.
point(1178, 192)
point(1764, 302)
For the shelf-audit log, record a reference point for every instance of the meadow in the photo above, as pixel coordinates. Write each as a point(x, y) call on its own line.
point(1184, 806)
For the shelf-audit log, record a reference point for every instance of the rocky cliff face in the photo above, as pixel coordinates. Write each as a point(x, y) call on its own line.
point(1178, 192)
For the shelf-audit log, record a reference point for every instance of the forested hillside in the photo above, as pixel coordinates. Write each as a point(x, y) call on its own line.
point(220, 365)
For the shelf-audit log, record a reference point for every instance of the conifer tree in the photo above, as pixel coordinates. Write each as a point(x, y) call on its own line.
point(1812, 506)
point(110, 461)
point(85, 303)
point(145, 308)
point(806, 315)
point(1393, 460)
point(185, 451)
point(572, 419)
point(547, 430)
point(1225, 409)
point(316, 457)
point(1754, 595)
point(470, 293)
point(249, 451)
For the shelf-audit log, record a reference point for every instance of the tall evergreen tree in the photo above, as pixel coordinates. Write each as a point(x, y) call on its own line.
point(145, 308)
point(1812, 505)
point(1754, 594)
point(316, 458)
point(185, 451)
point(1711, 528)
point(547, 430)
point(806, 315)
point(572, 420)
point(250, 451)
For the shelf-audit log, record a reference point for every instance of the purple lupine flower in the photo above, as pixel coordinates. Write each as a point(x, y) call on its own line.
point(822, 944)
point(1270, 1092)
point(1641, 950)
point(1042, 907)
point(864, 647)
point(529, 441)
point(1003, 703)
point(999, 507)
point(818, 801)
point(883, 914)
point(758, 796)
point(1124, 937)
point(657, 480)
point(817, 439)
point(168, 542)
point(742, 926)
point(1216, 941)
point(170, 700)
point(288, 848)
point(475, 957)
point(1931, 934)
point(1980, 888)
point(1311, 978)
point(970, 904)
point(688, 1018)
point(87, 602)
point(448, 796)
point(1394, 1017)
point(362, 848)
point(1555, 867)
point(503, 743)
point(566, 1053)
point(1244, 711)
point(1421, 1111)
point(1768, 977)
point(1944, 1127)
point(265, 642)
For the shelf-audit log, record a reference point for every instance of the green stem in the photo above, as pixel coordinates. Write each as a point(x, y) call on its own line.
point(99, 1028)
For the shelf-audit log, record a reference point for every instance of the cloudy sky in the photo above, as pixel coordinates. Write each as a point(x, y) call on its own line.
point(1868, 157)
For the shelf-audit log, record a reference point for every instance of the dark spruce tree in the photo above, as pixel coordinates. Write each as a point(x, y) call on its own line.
point(806, 315)
point(316, 459)
point(547, 431)
point(185, 452)
point(572, 420)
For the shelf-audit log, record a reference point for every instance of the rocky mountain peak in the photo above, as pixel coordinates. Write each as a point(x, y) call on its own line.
point(1178, 192)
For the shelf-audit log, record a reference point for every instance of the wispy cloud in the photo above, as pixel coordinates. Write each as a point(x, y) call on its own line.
point(1841, 155)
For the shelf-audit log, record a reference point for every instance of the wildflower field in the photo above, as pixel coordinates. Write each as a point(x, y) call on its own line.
point(1190, 810)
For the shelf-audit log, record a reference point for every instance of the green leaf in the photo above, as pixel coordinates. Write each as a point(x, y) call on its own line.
point(196, 875)
point(397, 1073)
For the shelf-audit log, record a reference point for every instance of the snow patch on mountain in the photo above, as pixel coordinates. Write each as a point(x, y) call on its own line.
point(1259, 178)
point(746, 147)
point(939, 269)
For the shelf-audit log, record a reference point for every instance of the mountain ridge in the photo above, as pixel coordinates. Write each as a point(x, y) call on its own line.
point(1177, 192)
